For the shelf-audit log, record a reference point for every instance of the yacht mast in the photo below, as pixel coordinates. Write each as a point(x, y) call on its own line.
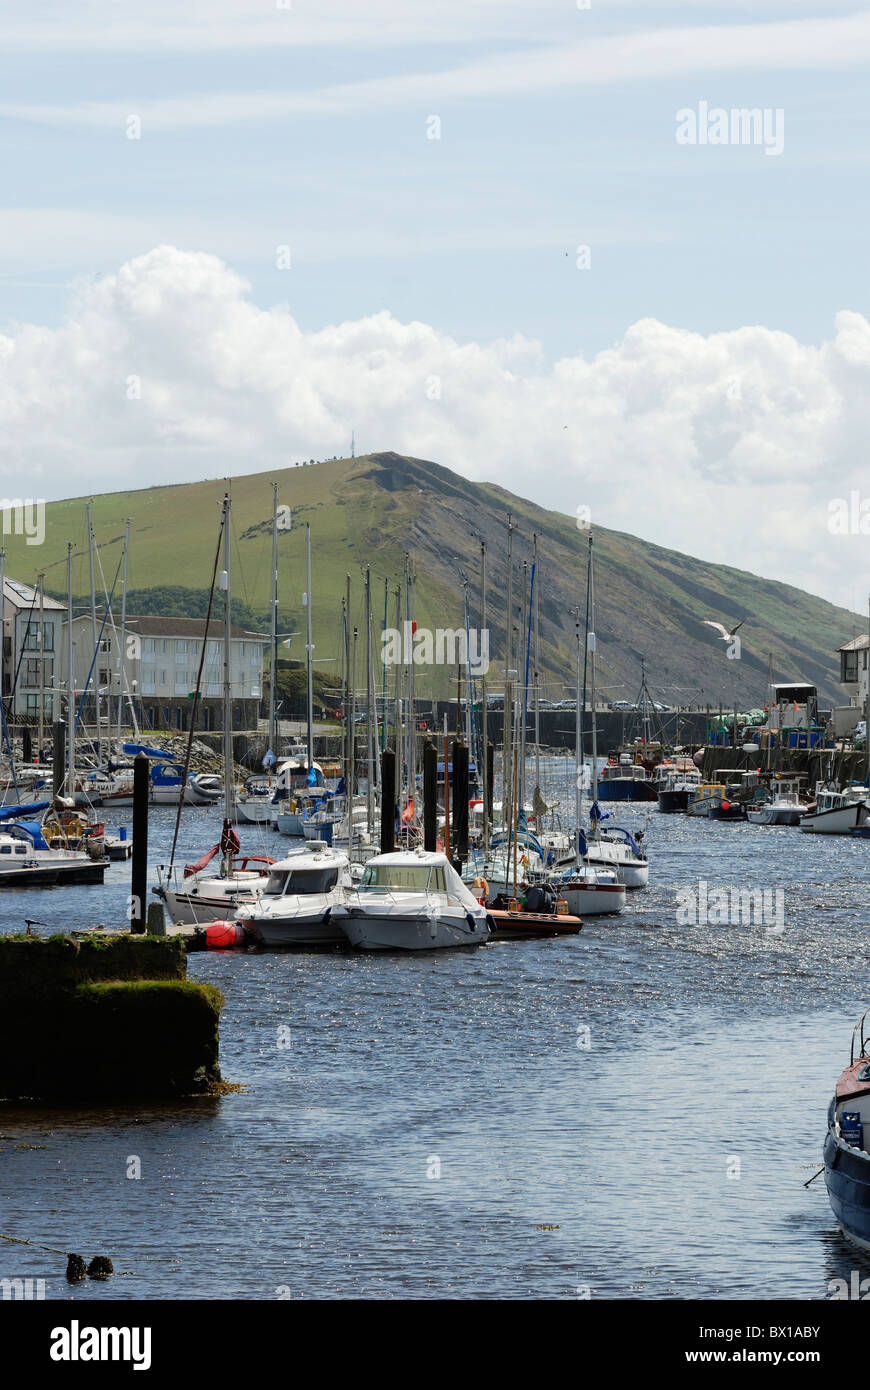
point(71, 683)
point(309, 648)
point(94, 631)
point(122, 650)
point(273, 736)
point(228, 689)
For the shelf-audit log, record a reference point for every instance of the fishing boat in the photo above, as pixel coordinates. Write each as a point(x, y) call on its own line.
point(675, 783)
point(711, 800)
point(413, 901)
point(781, 804)
point(847, 1160)
point(302, 901)
point(836, 813)
point(621, 779)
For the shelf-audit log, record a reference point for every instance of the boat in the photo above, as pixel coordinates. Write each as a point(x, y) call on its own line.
point(413, 900)
point(617, 849)
point(781, 805)
point(591, 891)
point(28, 861)
point(624, 780)
point(302, 901)
point(203, 895)
point(507, 924)
point(847, 1160)
point(255, 804)
point(200, 896)
point(675, 783)
point(835, 813)
point(511, 858)
point(711, 800)
point(168, 784)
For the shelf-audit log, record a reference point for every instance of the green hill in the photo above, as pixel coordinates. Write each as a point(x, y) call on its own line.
point(650, 602)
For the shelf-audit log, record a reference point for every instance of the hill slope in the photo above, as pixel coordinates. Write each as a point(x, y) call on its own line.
point(650, 602)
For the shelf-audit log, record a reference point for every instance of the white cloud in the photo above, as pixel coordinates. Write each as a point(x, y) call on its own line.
point(728, 446)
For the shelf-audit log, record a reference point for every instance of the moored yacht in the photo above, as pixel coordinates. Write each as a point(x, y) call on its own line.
point(413, 900)
point(303, 900)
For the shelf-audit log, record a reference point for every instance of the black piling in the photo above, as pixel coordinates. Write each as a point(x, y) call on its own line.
point(27, 745)
point(139, 859)
point(58, 757)
point(430, 794)
point(460, 801)
point(388, 801)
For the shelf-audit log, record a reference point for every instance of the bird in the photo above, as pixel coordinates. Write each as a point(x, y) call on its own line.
point(723, 631)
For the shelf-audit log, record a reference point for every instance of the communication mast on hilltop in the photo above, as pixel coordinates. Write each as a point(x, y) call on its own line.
point(352, 445)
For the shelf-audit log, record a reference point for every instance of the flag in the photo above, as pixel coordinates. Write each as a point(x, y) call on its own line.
point(408, 813)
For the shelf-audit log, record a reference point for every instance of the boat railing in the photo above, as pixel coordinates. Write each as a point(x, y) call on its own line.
point(858, 1035)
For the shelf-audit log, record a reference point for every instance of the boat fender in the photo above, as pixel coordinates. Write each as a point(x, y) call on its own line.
point(222, 935)
point(470, 920)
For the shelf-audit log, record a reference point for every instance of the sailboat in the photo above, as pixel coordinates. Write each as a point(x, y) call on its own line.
point(202, 895)
point(615, 849)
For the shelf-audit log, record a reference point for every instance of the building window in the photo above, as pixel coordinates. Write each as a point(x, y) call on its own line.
point(148, 647)
point(181, 685)
point(48, 637)
point(849, 667)
point(181, 652)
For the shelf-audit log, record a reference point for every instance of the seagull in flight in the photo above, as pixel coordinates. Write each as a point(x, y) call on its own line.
point(723, 631)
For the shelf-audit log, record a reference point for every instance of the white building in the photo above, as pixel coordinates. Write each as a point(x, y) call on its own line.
point(161, 665)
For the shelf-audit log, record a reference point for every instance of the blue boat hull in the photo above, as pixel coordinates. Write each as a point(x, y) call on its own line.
point(847, 1178)
point(625, 789)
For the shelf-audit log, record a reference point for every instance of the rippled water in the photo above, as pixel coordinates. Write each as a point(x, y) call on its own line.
point(711, 1048)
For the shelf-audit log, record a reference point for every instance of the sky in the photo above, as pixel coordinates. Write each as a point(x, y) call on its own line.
point(490, 233)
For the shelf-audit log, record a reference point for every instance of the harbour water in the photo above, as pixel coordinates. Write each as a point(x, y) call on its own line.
point(444, 1125)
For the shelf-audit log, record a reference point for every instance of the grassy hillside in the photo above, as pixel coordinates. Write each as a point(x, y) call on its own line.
point(650, 602)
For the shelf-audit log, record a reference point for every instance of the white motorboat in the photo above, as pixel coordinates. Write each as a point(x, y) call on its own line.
point(255, 804)
point(413, 900)
point(782, 805)
point(836, 813)
point(303, 901)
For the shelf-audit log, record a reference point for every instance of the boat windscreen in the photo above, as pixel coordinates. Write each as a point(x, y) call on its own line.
point(312, 880)
point(408, 878)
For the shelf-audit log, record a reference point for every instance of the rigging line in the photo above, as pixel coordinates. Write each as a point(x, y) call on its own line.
point(193, 712)
point(93, 662)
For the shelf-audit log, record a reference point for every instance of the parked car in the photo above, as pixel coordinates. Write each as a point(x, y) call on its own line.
point(620, 704)
point(662, 709)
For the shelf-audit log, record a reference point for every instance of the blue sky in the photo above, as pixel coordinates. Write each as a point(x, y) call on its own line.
point(265, 126)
